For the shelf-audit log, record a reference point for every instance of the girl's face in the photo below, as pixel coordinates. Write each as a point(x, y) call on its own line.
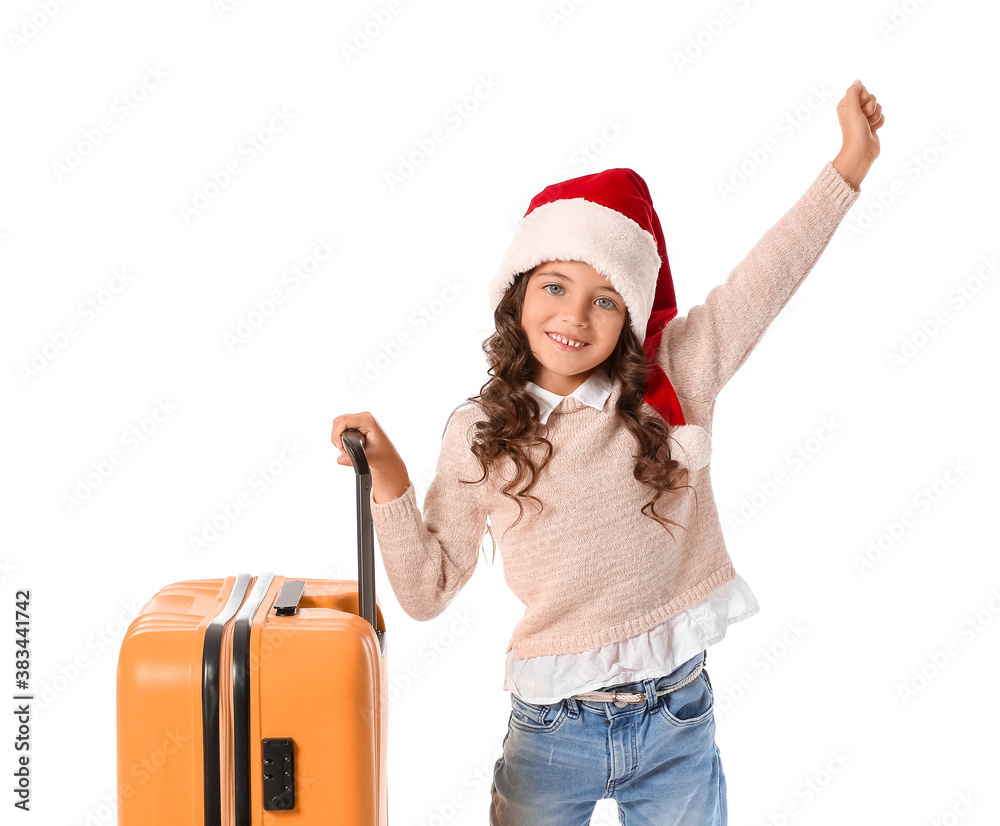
point(570, 298)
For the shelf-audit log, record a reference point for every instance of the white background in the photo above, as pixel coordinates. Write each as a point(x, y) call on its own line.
point(522, 94)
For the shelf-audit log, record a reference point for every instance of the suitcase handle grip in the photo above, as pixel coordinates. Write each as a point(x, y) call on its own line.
point(354, 444)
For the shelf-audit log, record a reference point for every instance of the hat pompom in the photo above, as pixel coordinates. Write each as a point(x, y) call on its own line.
point(695, 445)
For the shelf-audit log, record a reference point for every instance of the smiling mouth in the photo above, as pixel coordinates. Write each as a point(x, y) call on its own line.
point(568, 343)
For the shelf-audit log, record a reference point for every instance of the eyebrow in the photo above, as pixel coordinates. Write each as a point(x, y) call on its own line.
point(557, 274)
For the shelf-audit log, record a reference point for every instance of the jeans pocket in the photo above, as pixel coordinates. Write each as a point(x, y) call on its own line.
point(691, 704)
point(537, 718)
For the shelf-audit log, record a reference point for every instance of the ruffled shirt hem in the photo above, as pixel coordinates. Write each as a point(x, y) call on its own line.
point(654, 653)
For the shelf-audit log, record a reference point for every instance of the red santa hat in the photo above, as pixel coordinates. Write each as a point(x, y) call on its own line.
point(607, 220)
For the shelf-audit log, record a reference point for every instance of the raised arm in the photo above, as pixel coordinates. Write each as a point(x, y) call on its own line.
point(703, 350)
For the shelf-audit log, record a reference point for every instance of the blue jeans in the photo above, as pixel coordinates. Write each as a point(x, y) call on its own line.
point(658, 759)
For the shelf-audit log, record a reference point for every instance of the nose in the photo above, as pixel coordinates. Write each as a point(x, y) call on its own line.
point(576, 311)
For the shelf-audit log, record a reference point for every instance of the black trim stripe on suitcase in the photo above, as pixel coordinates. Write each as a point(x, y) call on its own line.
point(210, 669)
point(241, 697)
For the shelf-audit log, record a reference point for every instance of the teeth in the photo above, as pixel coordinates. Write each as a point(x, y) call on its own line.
point(565, 340)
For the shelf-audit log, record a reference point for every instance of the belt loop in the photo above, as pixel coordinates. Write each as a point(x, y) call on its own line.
point(652, 701)
point(573, 707)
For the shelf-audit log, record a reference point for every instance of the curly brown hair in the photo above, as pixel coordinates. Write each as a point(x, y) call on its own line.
point(512, 423)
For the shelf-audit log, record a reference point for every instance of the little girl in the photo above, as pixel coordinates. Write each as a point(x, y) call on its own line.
point(590, 447)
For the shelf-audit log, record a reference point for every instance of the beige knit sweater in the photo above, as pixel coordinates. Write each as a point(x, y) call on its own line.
point(591, 569)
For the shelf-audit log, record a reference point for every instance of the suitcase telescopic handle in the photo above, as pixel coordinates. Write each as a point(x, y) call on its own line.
point(354, 443)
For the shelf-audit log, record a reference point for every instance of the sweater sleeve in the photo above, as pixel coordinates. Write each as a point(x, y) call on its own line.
point(429, 558)
point(703, 350)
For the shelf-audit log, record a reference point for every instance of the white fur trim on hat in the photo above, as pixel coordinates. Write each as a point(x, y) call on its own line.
point(695, 445)
point(575, 229)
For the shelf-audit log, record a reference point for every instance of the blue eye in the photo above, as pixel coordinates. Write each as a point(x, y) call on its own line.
point(559, 286)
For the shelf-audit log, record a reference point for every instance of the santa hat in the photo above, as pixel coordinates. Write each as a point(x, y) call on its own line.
point(607, 220)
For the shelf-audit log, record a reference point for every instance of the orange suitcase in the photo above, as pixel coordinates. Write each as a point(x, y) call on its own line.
point(258, 700)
